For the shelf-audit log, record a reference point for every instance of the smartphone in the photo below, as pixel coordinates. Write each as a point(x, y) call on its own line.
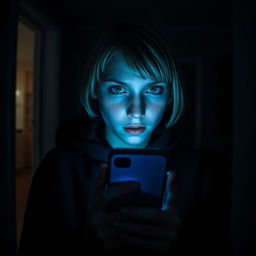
point(145, 166)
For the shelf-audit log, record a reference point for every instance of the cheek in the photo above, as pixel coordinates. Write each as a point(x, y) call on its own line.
point(112, 108)
point(155, 110)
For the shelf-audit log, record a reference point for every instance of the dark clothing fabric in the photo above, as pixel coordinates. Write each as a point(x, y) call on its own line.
point(56, 216)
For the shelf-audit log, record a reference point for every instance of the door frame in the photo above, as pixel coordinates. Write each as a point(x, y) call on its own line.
point(45, 79)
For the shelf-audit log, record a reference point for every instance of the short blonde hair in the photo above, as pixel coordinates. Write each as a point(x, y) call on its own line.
point(146, 55)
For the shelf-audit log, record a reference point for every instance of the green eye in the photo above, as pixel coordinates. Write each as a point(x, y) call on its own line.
point(116, 89)
point(155, 90)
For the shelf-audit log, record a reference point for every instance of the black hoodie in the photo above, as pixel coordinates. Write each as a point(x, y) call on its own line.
point(55, 218)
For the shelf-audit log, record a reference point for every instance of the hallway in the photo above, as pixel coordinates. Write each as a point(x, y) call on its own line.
point(23, 181)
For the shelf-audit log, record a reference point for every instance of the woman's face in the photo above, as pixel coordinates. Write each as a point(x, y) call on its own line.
point(131, 106)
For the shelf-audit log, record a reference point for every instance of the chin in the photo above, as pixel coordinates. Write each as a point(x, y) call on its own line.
point(134, 141)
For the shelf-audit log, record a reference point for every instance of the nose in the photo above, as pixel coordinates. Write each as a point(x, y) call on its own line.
point(136, 108)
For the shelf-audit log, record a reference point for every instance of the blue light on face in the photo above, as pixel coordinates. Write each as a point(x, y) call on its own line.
point(126, 99)
point(119, 90)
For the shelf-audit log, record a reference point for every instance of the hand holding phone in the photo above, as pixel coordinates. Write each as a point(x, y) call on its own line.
point(151, 228)
point(99, 217)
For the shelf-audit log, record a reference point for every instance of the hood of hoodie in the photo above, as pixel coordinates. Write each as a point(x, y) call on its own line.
point(85, 135)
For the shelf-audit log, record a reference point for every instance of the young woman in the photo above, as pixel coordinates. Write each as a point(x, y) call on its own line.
point(132, 95)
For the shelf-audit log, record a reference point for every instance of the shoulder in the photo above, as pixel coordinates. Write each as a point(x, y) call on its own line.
point(61, 162)
point(56, 157)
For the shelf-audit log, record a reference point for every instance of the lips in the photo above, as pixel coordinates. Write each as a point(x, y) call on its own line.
point(135, 129)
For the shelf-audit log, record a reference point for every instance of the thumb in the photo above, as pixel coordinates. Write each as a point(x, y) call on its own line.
point(170, 191)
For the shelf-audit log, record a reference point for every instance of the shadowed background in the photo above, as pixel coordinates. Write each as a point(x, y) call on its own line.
point(213, 45)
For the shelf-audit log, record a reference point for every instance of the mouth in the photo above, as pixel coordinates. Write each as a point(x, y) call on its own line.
point(135, 129)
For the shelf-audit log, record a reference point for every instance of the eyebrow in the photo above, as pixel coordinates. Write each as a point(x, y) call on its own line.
point(124, 83)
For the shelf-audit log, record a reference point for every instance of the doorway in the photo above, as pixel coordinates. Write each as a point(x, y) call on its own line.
point(26, 42)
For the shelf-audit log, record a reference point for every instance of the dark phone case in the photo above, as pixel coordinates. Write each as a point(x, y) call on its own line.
point(147, 167)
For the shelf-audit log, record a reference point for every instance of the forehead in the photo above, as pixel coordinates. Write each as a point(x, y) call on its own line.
point(119, 69)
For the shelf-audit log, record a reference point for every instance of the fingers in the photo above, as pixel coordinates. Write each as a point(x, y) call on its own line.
point(148, 227)
point(146, 243)
point(99, 219)
point(145, 230)
point(151, 215)
point(102, 223)
point(107, 234)
point(112, 243)
point(116, 191)
point(122, 189)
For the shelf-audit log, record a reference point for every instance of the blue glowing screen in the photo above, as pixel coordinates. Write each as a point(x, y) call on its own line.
point(149, 170)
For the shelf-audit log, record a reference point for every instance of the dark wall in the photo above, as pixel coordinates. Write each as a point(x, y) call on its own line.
point(244, 167)
point(9, 11)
